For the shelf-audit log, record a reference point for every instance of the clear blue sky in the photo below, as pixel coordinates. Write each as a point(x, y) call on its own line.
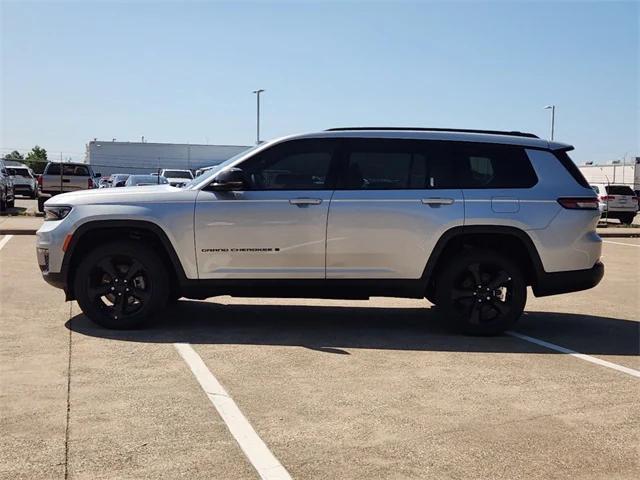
point(184, 72)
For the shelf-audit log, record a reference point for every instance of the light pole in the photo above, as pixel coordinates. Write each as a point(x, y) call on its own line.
point(258, 92)
point(553, 117)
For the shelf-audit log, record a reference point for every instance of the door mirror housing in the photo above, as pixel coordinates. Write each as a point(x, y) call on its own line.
point(228, 180)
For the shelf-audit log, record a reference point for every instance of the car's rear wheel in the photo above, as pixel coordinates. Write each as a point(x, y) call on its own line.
point(482, 292)
point(627, 219)
point(121, 285)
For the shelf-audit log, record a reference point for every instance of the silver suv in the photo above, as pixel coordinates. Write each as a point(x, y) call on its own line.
point(466, 219)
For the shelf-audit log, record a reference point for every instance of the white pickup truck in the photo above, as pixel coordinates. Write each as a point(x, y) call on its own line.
point(65, 177)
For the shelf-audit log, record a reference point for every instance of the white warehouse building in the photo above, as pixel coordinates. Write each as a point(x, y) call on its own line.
point(614, 173)
point(108, 157)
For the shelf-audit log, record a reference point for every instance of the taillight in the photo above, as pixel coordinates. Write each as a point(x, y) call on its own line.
point(606, 198)
point(40, 181)
point(89, 183)
point(579, 203)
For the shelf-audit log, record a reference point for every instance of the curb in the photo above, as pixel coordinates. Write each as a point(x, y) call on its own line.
point(619, 235)
point(18, 231)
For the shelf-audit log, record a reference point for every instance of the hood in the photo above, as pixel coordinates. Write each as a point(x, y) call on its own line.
point(122, 195)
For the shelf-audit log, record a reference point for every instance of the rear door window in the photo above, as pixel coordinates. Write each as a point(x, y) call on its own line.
point(395, 164)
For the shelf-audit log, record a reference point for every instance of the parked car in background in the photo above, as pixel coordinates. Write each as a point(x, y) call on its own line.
point(7, 193)
point(24, 180)
point(67, 177)
point(104, 182)
point(119, 179)
point(617, 201)
point(142, 180)
point(177, 178)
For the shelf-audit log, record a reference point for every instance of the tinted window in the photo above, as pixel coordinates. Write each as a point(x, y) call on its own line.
point(68, 170)
point(394, 164)
point(492, 166)
point(571, 167)
point(177, 174)
point(619, 190)
point(293, 165)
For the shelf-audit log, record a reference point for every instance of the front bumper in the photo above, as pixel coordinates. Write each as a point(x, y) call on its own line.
point(565, 282)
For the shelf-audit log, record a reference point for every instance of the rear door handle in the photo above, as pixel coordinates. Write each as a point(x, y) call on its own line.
point(303, 202)
point(437, 201)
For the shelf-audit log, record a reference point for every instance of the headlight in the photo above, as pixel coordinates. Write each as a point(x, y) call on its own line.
point(56, 213)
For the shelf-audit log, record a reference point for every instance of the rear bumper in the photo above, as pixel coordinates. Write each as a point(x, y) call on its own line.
point(565, 282)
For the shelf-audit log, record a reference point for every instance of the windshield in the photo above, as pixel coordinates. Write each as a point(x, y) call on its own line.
point(177, 174)
point(204, 178)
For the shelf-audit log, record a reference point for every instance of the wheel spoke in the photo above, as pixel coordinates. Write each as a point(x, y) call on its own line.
point(119, 304)
point(474, 318)
point(458, 294)
point(108, 267)
point(474, 268)
point(100, 290)
point(501, 307)
point(133, 270)
point(501, 278)
point(142, 295)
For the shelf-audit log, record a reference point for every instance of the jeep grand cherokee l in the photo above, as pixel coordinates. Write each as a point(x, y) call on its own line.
point(466, 219)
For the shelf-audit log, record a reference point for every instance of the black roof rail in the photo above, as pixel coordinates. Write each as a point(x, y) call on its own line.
point(421, 129)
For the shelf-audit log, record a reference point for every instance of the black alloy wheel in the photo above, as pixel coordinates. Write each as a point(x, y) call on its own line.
point(121, 285)
point(483, 292)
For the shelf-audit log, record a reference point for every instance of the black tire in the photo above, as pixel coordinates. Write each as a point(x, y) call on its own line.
point(33, 195)
point(12, 203)
point(121, 285)
point(41, 200)
point(3, 204)
point(627, 219)
point(481, 292)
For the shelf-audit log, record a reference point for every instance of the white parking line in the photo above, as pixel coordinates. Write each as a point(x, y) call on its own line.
point(265, 463)
point(620, 243)
point(5, 240)
point(581, 356)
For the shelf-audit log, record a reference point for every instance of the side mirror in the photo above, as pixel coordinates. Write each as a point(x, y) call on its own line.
point(227, 180)
point(98, 175)
point(120, 183)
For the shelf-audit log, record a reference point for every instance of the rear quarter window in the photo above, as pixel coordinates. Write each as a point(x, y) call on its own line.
point(492, 166)
point(564, 158)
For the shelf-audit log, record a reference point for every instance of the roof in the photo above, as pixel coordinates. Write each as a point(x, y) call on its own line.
point(479, 136)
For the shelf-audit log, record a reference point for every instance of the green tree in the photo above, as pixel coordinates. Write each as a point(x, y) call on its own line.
point(36, 159)
point(15, 155)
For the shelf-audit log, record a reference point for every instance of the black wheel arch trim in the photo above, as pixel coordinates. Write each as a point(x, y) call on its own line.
point(464, 230)
point(144, 225)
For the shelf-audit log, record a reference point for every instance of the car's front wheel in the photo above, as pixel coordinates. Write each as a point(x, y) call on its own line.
point(121, 285)
point(482, 292)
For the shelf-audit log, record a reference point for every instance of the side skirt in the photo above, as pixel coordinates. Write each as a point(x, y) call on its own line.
point(296, 288)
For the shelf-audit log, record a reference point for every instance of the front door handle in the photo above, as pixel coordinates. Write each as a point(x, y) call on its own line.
point(303, 202)
point(437, 201)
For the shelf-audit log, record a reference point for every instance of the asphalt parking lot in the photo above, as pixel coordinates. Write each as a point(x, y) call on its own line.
point(334, 389)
